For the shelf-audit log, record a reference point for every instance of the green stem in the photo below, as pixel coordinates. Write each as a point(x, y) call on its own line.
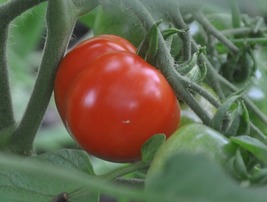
point(198, 89)
point(236, 17)
point(179, 23)
point(119, 172)
point(14, 8)
point(211, 29)
point(60, 23)
point(61, 18)
point(17, 7)
point(241, 31)
point(252, 41)
point(6, 110)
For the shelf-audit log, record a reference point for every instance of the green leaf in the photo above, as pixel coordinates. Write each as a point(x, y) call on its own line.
point(253, 145)
point(24, 180)
point(171, 31)
point(149, 46)
point(194, 178)
point(37, 181)
point(151, 146)
point(67, 158)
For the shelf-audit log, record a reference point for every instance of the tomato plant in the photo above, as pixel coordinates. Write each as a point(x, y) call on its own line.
point(108, 107)
point(83, 54)
point(112, 99)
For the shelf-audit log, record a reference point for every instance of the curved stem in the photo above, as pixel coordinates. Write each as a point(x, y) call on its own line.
point(17, 7)
point(61, 18)
point(14, 8)
point(58, 33)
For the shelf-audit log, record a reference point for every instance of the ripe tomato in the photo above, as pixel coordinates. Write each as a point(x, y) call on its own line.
point(117, 103)
point(192, 138)
point(81, 56)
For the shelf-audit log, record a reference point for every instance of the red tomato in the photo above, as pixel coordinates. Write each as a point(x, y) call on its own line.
point(81, 56)
point(117, 103)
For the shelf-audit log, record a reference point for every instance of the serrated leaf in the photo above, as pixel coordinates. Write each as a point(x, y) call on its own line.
point(151, 146)
point(194, 178)
point(253, 145)
point(67, 158)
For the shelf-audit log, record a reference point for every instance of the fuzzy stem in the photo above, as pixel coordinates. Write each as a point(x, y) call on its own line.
point(211, 29)
point(6, 110)
point(178, 22)
point(17, 7)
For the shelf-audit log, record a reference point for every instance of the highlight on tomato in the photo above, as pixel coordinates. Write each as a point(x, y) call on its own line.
point(114, 102)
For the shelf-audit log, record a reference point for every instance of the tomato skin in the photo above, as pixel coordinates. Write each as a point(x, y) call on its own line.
point(192, 138)
point(117, 103)
point(83, 54)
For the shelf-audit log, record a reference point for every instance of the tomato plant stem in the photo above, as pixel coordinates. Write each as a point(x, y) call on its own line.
point(61, 18)
point(17, 7)
point(14, 8)
point(241, 31)
point(236, 17)
point(122, 171)
point(199, 17)
point(58, 33)
point(6, 111)
point(178, 22)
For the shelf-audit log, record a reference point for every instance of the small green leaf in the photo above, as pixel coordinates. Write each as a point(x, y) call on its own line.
point(171, 31)
point(151, 146)
point(149, 46)
point(253, 145)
